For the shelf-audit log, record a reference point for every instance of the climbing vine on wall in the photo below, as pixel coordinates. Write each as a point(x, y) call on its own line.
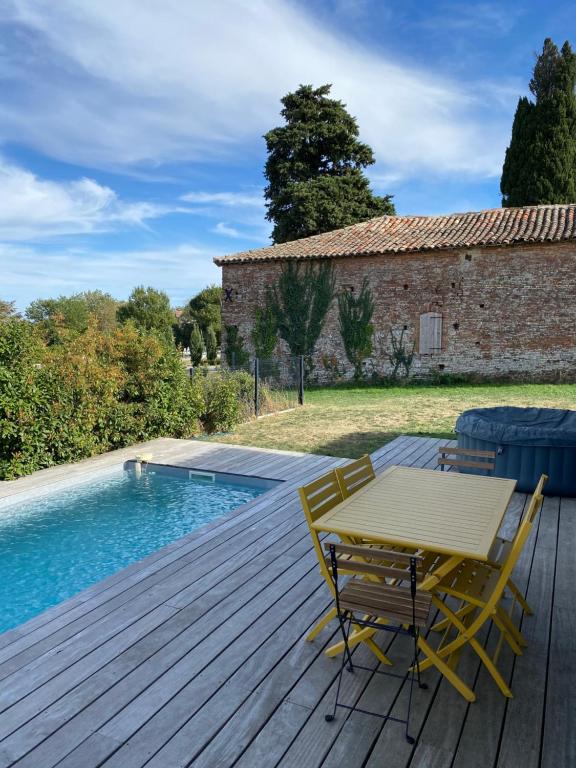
point(355, 318)
point(265, 328)
point(235, 351)
point(300, 301)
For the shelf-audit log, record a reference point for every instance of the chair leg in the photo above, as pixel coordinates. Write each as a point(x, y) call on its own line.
point(376, 650)
point(346, 657)
point(360, 636)
point(492, 669)
point(520, 598)
point(415, 669)
point(441, 625)
point(432, 659)
point(324, 621)
point(508, 632)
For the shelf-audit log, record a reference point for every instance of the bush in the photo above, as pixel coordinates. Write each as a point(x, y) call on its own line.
point(227, 400)
point(196, 345)
point(94, 393)
point(211, 345)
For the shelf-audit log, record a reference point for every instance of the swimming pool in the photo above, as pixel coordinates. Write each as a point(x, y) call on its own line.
point(54, 546)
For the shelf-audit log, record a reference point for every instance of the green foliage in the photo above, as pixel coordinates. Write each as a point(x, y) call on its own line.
point(211, 345)
point(196, 344)
point(235, 351)
point(265, 329)
point(301, 301)
point(540, 163)
point(7, 310)
point(58, 316)
point(73, 314)
point(102, 308)
point(400, 356)
point(226, 400)
point(356, 329)
point(21, 398)
point(149, 310)
point(204, 309)
point(97, 392)
point(315, 168)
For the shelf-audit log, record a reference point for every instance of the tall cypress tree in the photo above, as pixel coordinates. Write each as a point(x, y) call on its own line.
point(540, 163)
point(315, 168)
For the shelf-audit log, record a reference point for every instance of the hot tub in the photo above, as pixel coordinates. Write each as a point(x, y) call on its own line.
point(528, 442)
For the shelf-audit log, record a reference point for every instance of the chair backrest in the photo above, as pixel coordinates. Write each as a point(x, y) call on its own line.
point(317, 498)
point(355, 475)
point(466, 457)
point(518, 543)
point(366, 560)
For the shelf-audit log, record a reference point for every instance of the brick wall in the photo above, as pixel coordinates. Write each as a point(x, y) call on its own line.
point(505, 311)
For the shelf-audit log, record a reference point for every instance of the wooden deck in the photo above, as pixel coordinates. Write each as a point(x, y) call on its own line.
point(195, 656)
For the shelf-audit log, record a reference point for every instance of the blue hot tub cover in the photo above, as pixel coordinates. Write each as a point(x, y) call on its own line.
point(507, 425)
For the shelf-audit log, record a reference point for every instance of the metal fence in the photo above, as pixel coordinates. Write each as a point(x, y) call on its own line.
point(278, 384)
point(272, 385)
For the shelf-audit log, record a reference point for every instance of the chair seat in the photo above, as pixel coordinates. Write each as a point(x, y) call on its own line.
point(385, 601)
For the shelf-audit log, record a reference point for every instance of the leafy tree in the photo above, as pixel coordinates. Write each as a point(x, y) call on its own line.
point(235, 351)
point(102, 307)
point(356, 329)
point(315, 168)
point(7, 310)
point(56, 316)
point(204, 309)
point(149, 310)
point(211, 345)
point(301, 301)
point(196, 345)
point(540, 163)
point(265, 329)
point(73, 314)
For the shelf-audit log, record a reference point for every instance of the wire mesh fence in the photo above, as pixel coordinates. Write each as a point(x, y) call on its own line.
point(279, 385)
point(266, 386)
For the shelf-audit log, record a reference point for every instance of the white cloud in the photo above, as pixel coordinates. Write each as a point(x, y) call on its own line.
point(122, 83)
point(31, 207)
point(224, 229)
point(29, 273)
point(227, 199)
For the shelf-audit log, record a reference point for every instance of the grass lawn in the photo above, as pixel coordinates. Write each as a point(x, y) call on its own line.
point(349, 422)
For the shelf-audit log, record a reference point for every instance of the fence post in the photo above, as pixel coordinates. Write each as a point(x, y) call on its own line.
point(256, 385)
point(301, 380)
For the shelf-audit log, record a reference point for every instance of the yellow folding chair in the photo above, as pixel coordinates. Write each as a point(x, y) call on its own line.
point(480, 588)
point(319, 497)
point(355, 475)
point(499, 554)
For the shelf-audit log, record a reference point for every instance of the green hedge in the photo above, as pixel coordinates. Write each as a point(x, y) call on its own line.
point(96, 392)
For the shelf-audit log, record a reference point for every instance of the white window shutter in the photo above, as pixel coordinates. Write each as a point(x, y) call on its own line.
point(430, 341)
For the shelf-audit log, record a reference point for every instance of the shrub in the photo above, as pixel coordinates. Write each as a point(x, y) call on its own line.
point(91, 394)
point(196, 345)
point(236, 353)
point(211, 345)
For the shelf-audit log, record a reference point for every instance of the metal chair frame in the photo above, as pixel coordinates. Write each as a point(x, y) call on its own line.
point(346, 619)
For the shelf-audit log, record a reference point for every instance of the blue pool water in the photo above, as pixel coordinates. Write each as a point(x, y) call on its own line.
point(55, 546)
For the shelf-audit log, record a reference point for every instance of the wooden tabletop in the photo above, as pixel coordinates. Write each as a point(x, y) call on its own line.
point(445, 512)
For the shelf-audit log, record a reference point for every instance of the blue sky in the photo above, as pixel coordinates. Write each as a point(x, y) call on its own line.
point(131, 147)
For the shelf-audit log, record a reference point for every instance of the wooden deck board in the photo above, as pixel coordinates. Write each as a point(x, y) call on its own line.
point(195, 656)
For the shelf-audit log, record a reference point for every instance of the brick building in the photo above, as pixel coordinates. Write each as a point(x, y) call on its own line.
point(491, 293)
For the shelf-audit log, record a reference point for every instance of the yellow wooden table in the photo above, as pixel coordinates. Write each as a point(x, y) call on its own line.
point(453, 514)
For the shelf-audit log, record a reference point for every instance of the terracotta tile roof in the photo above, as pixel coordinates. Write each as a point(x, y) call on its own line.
point(405, 234)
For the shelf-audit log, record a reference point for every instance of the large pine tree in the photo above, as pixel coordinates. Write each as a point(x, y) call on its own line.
point(540, 163)
point(315, 168)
